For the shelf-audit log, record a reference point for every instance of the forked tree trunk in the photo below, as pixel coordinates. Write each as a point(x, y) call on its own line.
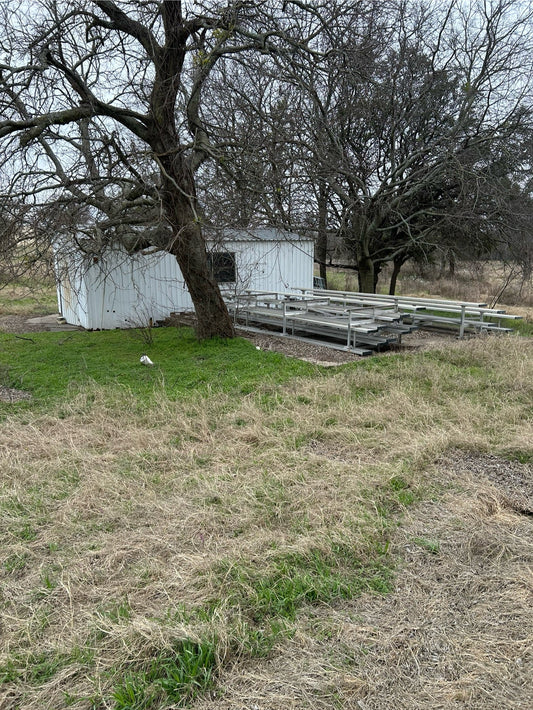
point(178, 193)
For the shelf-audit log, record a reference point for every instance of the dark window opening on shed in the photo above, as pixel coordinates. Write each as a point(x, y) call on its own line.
point(221, 264)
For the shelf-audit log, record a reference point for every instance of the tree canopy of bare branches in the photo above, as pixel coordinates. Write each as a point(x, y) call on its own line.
point(92, 93)
point(401, 127)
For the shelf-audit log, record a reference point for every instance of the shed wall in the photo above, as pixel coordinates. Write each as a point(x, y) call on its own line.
point(72, 290)
point(125, 291)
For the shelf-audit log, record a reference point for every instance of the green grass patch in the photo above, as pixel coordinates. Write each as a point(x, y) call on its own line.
point(50, 365)
point(296, 579)
point(402, 491)
point(430, 545)
point(522, 327)
point(172, 678)
point(259, 641)
point(39, 668)
point(15, 563)
point(524, 456)
point(117, 611)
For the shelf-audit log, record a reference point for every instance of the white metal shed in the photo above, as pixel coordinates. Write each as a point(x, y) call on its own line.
point(122, 290)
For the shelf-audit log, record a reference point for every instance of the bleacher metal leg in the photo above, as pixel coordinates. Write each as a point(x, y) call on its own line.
point(462, 326)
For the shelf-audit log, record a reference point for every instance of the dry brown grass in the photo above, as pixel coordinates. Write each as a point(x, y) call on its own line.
point(472, 281)
point(118, 523)
point(486, 281)
point(455, 633)
point(35, 298)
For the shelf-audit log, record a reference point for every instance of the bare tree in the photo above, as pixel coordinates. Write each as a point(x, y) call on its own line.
point(72, 73)
point(415, 119)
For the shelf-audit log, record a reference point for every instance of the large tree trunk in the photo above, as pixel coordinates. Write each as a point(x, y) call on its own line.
point(365, 274)
point(451, 262)
point(397, 265)
point(365, 264)
point(178, 192)
point(212, 315)
point(188, 246)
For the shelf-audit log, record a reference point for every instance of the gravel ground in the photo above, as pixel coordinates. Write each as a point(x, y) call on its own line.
point(9, 394)
point(321, 355)
point(513, 480)
point(326, 356)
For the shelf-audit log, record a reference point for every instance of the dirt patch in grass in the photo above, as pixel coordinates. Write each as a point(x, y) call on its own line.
point(17, 324)
point(10, 394)
point(510, 480)
point(300, 349)
point(21, 324)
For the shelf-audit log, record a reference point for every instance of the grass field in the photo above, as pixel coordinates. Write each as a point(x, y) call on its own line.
point(235, 529)
point(28, 299)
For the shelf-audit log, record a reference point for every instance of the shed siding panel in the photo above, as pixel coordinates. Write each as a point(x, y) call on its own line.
point(72, 291)
point(124, 291)
point(129, 291)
